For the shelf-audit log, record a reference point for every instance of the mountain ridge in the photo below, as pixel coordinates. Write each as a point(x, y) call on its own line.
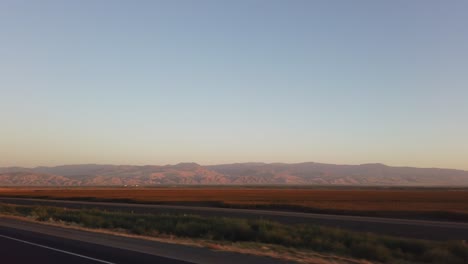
point(250, 173)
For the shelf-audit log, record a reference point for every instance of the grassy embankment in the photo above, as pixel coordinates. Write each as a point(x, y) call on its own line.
point(303, 237)
point(439, 204)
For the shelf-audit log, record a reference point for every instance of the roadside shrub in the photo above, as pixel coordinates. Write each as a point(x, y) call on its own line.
point(23, 210)
point(368, 250)
point(7, 209)
point(406, 246)
point(191, 229)
point(441, 255)
point(459, 249)
point(40, 213)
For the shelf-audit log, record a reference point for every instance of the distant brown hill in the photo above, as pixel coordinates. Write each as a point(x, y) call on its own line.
point(239, 173)
point(34, 179)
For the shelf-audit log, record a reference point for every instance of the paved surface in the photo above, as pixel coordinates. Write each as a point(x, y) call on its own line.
point(26, 242)
point(433, 230)
point(19, 246)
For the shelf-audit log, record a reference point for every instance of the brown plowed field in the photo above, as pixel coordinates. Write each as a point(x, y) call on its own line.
point(377, 202)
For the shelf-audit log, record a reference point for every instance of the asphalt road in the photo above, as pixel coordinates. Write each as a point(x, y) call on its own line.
point(432, 230)
point(19, 246)
point(27, 242)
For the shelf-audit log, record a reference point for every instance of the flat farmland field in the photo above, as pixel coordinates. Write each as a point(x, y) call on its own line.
point(449, 204)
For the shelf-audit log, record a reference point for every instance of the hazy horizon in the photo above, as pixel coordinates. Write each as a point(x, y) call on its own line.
point(233, 163)
point(213, 82)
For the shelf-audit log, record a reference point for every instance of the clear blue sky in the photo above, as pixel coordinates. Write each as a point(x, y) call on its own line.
point(156, 82)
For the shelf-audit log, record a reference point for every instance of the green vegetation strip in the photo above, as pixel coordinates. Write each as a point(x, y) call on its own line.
point(305, 236)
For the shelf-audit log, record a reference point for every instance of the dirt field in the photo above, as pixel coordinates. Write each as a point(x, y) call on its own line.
point(450, 204)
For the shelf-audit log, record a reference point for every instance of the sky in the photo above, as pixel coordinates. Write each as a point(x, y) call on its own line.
point(162, 82)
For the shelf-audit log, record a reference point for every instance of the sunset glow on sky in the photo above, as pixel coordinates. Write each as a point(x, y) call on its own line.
point(157, 82)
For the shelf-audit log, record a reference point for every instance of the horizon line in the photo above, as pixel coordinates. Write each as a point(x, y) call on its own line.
point(232, 163)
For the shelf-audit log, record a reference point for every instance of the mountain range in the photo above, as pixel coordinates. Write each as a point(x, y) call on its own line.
point(308, 173)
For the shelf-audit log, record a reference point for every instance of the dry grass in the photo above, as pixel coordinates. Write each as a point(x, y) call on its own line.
point(366, 201)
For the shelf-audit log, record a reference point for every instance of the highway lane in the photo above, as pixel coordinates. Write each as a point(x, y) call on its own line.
point(433, 230)
point(20, 246)
point(31, 242)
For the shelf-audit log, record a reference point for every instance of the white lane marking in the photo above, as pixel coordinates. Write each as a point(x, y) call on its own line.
point(56, 249)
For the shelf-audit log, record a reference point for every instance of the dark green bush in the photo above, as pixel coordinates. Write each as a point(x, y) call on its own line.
point(441, 255)
point(368, 250)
